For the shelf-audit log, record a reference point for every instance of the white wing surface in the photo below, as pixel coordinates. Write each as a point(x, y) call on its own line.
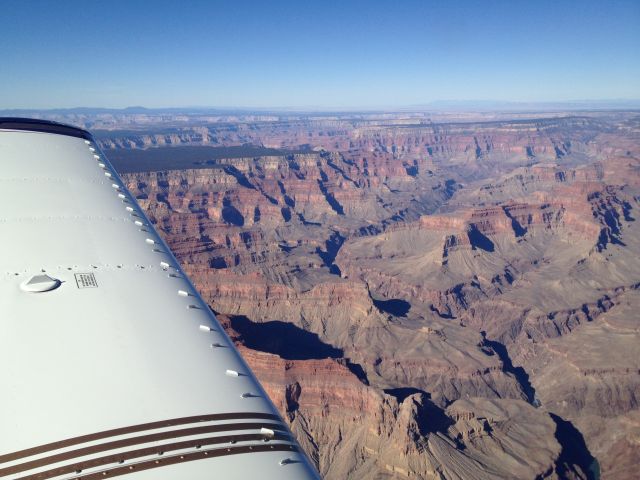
point(110, 361)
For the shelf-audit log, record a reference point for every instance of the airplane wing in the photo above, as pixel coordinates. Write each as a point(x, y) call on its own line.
point(110, 361)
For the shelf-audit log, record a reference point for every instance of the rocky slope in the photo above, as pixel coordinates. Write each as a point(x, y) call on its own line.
point(353, 430)
point(427, 300)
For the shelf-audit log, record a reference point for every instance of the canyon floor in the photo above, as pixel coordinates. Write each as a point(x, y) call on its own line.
point(423, 296)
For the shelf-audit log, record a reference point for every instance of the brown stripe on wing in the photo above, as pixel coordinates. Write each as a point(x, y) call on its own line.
point(187, 457)
point(144, 452)
point(127, 442)
point(134, 429)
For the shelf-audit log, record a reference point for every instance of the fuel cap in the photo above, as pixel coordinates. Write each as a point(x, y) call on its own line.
point(40, 283)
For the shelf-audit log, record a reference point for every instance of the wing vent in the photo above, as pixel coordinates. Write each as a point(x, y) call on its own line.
point(40, 283)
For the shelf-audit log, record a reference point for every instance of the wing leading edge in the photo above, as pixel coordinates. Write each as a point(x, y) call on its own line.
point(112, 362)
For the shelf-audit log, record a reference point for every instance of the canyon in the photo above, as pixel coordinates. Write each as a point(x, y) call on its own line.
point(422, 295)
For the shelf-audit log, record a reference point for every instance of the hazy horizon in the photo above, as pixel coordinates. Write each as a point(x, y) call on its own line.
point(435, 106)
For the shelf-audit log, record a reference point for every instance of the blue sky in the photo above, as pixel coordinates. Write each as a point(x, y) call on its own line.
point(324, 54)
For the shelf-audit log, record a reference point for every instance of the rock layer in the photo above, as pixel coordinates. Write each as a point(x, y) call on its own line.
point(424, 299)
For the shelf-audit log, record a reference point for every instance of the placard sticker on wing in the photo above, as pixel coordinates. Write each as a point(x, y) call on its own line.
point(86, 280)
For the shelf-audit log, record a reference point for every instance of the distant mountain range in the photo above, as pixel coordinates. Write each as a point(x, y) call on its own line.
point(436, 106)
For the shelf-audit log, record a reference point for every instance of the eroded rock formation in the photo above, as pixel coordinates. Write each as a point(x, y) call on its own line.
point(426, 300)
